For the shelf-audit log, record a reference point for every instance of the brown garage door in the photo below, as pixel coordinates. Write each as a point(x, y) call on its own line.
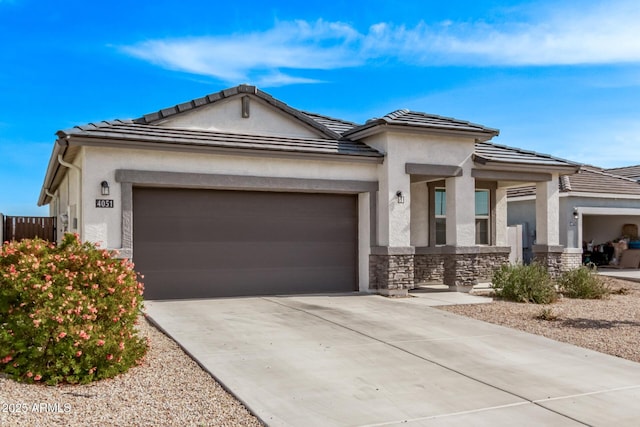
point(205, 243)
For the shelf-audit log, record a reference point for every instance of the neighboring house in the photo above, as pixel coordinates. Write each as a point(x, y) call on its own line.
point(237, 193)
point(595, 205)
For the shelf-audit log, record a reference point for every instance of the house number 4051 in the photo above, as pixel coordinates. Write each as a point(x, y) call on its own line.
point(104, 203)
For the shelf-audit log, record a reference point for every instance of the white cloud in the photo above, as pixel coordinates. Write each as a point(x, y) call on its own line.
point(602, 34)
point(289, 45)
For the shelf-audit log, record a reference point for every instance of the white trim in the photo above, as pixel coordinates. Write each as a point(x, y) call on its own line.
point(585, 210)
point(601, 195)
point(520, 198)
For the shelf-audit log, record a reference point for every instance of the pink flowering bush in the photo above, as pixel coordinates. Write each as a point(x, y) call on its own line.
point(67, 313)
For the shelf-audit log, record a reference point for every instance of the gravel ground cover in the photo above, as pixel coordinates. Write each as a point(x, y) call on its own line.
point(168, 389)
point(609, 326)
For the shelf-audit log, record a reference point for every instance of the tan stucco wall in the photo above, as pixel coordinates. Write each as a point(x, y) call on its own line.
point(394, 219)
point(226, 116)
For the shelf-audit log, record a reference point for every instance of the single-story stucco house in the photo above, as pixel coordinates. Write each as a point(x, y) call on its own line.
point(597, 206)
point(237, 193)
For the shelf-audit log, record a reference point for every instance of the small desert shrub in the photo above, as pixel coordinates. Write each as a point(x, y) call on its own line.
point(582, 283)
point(67, 313)
point(524, 283)
point(547, 314)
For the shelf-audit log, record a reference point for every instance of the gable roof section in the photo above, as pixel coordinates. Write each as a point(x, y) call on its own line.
point(588, 180)
point(627, 171)
point(238, 90)
point(422, 121)
point(121, 133)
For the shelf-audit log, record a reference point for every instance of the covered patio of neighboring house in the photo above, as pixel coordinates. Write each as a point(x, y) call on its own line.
point(237, 193)
point(599, 216)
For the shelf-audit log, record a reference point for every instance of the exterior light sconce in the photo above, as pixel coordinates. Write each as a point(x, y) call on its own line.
point(104, 188)
point(400, 197)
point(575, 213)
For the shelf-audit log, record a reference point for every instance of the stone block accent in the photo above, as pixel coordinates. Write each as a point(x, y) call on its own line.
point(466, 267)
point(488, 263)
point(391, 274)
point(460, 268)
point(551, 257)
point(429, 268)
point(460, 271)
point(571, 260)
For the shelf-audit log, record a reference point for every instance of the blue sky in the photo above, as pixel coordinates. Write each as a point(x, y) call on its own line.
point(558, 77)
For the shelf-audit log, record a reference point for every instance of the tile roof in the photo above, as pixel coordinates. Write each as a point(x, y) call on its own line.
point(425, 121)
point(129, 130)
point(336, 125)
point(489, 152)
point(627, 171)
point(595, 181)
point(588, 180)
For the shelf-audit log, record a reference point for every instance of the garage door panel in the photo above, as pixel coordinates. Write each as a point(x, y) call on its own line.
point(175, 229)
point(229, 284)
point(205, 243)
point(204, 255)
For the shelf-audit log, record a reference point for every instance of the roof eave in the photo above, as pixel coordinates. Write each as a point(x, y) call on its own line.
point(59, 147)
point(485, 163)
point(380, 126)
point(87, 140)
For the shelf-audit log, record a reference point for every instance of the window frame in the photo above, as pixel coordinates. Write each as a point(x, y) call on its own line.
point(486, 217)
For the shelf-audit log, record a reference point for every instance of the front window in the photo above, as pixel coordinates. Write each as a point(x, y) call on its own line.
point(441, 216)
point(481, 213)
point(482, 217)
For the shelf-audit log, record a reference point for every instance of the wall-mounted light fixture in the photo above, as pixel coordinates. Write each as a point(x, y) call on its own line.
point(400, 196)
point(104, 188)
point(575, 213)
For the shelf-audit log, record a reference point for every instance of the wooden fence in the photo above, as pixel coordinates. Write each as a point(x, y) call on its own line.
point(29, 227)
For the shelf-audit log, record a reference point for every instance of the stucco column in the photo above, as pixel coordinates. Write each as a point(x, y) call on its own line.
point(419, 214)
point(391, 263)
point(394, 216)
point(501, 217)
point(548, 212)
point(461, 224)
point(547, 250)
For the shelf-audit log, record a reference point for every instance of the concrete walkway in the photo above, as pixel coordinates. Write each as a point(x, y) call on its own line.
point(366, 360)
point(625, 274)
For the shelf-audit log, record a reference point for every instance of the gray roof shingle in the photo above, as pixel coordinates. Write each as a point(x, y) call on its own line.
point(129, 130)
point(416, 119)
point(337, 125)
point(489, 152)
point(627, 171)
point(588, 180)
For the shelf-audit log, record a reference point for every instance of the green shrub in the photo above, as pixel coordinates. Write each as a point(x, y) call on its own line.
point(524, 283)
point(67, 313)
point(582, 283)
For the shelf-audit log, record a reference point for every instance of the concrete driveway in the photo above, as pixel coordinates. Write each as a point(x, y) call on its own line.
point(366, 360)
